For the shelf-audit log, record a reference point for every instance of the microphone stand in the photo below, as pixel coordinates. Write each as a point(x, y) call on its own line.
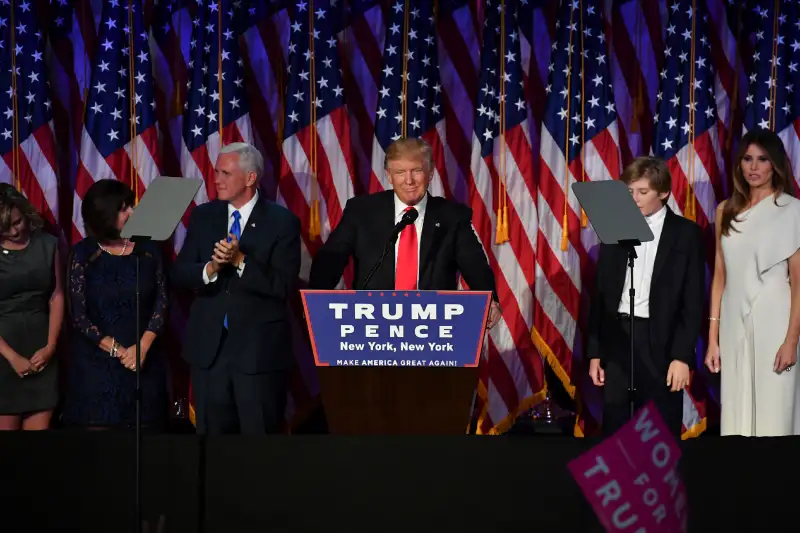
point(630, 245)
point(138, 394)
point(379, 262)
point(407, 219)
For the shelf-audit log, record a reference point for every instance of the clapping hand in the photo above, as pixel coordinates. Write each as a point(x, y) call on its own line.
point(226, 252)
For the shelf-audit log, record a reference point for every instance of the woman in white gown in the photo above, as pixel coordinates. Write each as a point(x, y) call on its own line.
point(755, 295)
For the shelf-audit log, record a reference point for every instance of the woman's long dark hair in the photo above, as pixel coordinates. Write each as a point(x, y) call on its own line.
point(781, 174)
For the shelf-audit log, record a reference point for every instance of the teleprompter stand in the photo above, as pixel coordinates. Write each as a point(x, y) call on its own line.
point(154, 218)
point(616, 220)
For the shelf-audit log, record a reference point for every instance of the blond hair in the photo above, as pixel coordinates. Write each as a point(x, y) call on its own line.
point(407, 148)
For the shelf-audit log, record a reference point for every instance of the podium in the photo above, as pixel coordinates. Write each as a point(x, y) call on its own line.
point(397, 362)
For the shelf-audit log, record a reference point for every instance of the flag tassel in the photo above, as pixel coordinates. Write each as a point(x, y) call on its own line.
point(313, 221)
point(690, 211)
point(501, 235)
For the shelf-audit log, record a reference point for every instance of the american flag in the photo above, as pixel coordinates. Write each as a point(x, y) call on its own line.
point(119, 139)
point(773, 94)
point(687, 137)
point(316, 171)
point(70, 72)
point(27, 147)
point(504, 216)
point(579, 142)
point(317, 176)
point(215, 111)
point(409, 99)
point(357, 36)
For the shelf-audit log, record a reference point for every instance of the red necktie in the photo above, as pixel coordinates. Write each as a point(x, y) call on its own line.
point(405, 277)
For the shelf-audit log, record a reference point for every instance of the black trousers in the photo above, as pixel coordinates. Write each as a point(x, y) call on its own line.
point(228, 401)
point(649, 374)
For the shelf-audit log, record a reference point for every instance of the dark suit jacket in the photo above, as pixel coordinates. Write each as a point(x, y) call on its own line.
point(677, 294)
point(256, 303)
point(448, 245)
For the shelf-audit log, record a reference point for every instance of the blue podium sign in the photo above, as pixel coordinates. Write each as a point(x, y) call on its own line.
point(396, 328)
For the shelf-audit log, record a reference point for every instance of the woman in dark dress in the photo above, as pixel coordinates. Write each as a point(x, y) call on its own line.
point(102, 293)
point(31, 315)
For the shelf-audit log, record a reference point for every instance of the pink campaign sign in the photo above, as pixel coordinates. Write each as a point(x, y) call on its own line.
point(631, 478)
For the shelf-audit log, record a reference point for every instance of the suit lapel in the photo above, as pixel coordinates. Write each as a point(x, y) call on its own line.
point(386, 216)
point(221, 222)
point(665, 243)
point(254, 221)
point(429, 242)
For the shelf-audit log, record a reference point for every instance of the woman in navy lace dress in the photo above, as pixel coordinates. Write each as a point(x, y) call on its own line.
point(102, 292)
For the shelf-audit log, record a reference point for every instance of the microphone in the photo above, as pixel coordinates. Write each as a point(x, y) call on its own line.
point(408, 218)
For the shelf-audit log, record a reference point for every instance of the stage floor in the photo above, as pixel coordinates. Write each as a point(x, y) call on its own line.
point(82, 481)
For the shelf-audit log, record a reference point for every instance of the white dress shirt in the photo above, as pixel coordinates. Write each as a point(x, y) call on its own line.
point(643, 269)
point(244, 214)
point(399, 211)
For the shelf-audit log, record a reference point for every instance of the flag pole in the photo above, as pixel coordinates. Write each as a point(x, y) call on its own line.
point(689, 203)
point(15, 165)
point(565, 218)
point(773, 86)
point(134, 167)
point(584, 218)
point(135, 186)
point(177, 57)
point(404, 77)
point(219, 75)
point(314, 220)
point(83, 8)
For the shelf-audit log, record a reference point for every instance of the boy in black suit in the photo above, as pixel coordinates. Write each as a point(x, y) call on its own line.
point(669, 289)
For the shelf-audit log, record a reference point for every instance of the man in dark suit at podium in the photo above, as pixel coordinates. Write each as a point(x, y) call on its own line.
point(242, 259)
point(436, 238)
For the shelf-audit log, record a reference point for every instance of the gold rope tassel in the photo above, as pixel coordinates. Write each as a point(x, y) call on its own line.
point(501, 234)
point(313, 222)
point(691, 210)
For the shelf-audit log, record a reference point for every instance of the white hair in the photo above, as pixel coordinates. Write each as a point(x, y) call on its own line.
point(250, 159)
